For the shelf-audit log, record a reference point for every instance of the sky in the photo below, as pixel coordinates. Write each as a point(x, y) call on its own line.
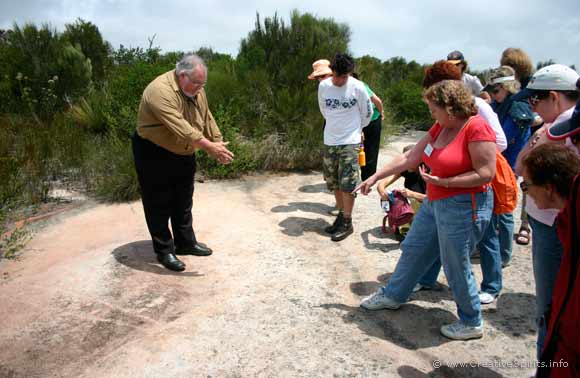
point(420, 30)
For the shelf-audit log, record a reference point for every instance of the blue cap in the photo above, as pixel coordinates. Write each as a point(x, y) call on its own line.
point(567, 128)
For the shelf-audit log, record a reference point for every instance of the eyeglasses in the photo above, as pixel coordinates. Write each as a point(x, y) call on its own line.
point(537, 97)
point(524, 186)
point(495, 89)
point(197, 83)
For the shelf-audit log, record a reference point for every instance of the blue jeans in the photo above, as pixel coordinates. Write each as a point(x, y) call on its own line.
point(546, 258)
point(444, 229)
point(505, 225)
point(489, 248)
point(490, 257)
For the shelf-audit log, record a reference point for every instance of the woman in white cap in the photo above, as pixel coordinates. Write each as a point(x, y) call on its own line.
point(553, 92)
point(516, 118)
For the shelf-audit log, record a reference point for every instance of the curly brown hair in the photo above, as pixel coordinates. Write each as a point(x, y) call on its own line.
point(518, 60)
point(440, 70)
point(553, 164)
point(453, 96)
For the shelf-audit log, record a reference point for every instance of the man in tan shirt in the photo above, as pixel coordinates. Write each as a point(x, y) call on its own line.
point(174, 121)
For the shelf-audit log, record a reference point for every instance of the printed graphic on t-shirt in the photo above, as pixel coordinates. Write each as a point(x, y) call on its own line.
point(335, 103)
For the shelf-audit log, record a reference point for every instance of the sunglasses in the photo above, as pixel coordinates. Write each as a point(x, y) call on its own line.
point(524, 186)
point(537, 97)
point(493, 88)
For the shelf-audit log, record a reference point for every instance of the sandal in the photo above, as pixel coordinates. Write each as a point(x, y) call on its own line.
point(523, 237)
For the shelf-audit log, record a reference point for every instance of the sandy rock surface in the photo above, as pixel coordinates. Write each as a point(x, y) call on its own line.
point(277, 299)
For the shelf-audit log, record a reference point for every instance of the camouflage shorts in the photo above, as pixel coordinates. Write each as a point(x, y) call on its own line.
point(340, 167)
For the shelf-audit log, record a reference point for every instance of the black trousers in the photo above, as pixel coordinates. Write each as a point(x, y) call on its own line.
point(166, 182)
point(372, 144)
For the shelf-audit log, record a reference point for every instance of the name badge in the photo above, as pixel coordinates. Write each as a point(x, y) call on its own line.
point(428, 150)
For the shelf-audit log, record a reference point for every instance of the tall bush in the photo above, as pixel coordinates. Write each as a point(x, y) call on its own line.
point(273, 64)
point(86, 37)
point(45, 74)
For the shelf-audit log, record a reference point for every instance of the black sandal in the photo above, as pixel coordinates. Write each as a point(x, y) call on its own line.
point(523, 237)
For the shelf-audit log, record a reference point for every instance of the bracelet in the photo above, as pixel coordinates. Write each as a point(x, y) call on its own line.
point(447, 183)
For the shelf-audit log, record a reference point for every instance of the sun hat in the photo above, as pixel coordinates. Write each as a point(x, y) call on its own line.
point(320, 68)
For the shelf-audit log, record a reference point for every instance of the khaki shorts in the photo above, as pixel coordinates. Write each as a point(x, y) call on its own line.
point(340, 167)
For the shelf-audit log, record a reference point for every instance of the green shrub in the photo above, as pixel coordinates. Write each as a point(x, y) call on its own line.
point(262, 102)
point(243, 149)
point(11, 241)
point(93, 112)
point(405, 101)
point(87, 38)
point(109, 172)
point(272, 67)
point(45, 72)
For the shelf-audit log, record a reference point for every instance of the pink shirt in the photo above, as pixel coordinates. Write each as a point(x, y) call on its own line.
point(548, 216)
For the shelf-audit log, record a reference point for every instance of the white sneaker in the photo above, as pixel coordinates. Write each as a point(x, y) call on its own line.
point(420, 287)
point(460, 331)
point(379, 301)
point(486, 298)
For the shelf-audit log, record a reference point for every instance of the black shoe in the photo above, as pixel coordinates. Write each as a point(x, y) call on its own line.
point(171, 262)
point(343, 230)
point(198, 249)
point(337, 221)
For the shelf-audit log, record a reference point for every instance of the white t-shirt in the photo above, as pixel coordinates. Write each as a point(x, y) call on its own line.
point(347, 110)
point(548, 216)
point(485, 110)
point(473, 83)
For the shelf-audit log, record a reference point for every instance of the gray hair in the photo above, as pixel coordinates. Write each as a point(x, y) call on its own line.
point(188, 64)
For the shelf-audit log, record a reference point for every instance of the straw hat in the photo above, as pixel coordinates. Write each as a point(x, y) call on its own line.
point(320, 68)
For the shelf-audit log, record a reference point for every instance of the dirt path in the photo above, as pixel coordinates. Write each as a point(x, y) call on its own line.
point(277, 298)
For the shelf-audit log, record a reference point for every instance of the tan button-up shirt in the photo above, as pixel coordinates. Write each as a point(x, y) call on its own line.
point(170, 119)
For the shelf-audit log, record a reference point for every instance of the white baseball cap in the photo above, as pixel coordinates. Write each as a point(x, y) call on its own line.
point(556, 77)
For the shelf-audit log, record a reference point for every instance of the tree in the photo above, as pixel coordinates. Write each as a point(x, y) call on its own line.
point(542, 64)
point(4, 36)
point(274, 62)
point(369, 70)
point(86, 37)
point(405, 100)
point(397, 69)
point(45, 72)
point(287, 52)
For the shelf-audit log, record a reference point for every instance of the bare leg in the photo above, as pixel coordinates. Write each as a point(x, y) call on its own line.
point(338, 195)
point(347, 200)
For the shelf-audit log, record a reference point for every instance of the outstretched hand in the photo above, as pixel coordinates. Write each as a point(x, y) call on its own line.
point(221, 153)
point(365, 187)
